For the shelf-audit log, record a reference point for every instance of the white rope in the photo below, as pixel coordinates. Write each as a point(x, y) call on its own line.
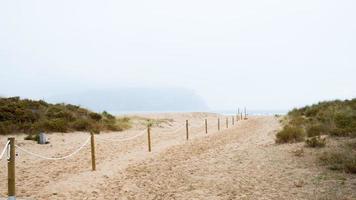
point(123, 139)
point(5, 149)
point(58, 158)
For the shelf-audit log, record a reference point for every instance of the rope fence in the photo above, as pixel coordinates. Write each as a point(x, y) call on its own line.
point(5, 149)
point(53, 158)
point(10, 146)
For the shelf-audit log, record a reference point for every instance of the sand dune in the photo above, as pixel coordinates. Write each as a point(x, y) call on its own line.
point(241, 162)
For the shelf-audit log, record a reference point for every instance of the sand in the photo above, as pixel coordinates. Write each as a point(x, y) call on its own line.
point(241, 162)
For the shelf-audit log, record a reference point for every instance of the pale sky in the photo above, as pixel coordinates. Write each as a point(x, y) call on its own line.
point(274, 54)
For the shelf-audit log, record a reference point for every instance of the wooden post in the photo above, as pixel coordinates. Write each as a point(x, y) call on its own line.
point(218, 124)
point(227, 122)
point(245, 112)
point(93, 163)
point(11, 185)
point(241, 115)
point(233, 120)
point(187, 129)
point(206, 126)
point(149, 138)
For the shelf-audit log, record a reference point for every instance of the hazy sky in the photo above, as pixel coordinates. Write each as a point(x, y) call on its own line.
point(273, 54)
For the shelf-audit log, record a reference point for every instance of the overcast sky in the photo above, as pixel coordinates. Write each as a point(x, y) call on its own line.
point(273, 54)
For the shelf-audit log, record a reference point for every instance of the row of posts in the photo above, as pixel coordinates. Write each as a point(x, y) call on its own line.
point(12, 153)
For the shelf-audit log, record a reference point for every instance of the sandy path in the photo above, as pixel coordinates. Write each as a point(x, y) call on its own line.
point(43, 179)
point(238, 163)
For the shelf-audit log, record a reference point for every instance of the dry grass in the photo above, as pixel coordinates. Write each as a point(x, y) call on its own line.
point(290, 134)
point(340, 157)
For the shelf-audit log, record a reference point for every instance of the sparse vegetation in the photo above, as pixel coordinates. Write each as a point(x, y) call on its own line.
point(290, 134)
point(341, 158)
point(29, 116)
point(314, 123)
point(334, 118)
point(315, 142)
point(157, 122)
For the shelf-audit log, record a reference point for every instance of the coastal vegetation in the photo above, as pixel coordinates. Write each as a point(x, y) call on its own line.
point(31, 117)
point(333, 121)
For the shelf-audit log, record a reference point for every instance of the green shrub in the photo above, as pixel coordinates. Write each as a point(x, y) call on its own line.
point(28, 116)
point(5, 128)
point(53, 125)
point(108, 115)
point(345, 122)
point(81, 125)
point(290, 134)
point(297, 121)
point(337, 132)
point(316, 130)
point(95, 116)
point(315, 142)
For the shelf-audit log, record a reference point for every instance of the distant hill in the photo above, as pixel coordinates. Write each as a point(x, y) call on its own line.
point(30, 116)
point(135, 99)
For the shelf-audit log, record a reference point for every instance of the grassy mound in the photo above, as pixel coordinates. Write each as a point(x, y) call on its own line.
point(333, 119)
point(29, 116)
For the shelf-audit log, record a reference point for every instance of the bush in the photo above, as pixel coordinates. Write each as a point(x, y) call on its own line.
point(315, 142)
point(95, 116)
point(54, 125)
point(336, 132)
point(345, 122)
point(28, 116)
point(5, 128)
point(297, 121)
point(335, 118)
point(81, 125)
point(290, 134)
point(316, 130)
point(108, 115)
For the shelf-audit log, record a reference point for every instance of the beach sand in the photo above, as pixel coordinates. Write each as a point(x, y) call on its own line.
point(241, 162)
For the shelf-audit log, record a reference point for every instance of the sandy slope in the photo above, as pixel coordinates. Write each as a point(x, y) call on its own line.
point(241, 162)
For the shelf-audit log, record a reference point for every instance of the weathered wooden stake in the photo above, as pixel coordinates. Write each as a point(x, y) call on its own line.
point(149, 138)
point(187, 129)
point(206, 126)
point(93, 163)
point(241, 115)
point(233, 120)
point(218, 124)
point(245, 113)
point(11, 185)
point(227, 122)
